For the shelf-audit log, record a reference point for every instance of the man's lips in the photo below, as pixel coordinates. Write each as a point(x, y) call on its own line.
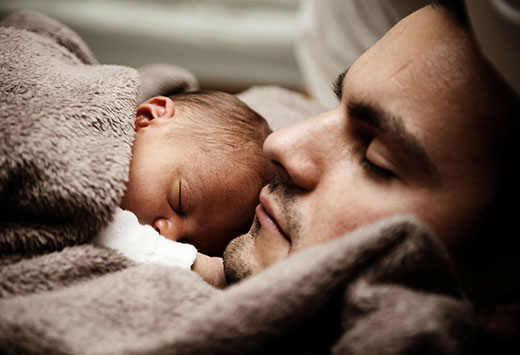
point(267, 219)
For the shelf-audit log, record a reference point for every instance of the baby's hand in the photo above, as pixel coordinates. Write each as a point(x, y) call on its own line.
point(211, 269)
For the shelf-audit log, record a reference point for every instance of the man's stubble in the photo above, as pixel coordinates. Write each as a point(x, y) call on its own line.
point(239, 257)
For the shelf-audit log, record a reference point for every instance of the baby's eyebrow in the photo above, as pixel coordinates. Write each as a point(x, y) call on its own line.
point(337, 84)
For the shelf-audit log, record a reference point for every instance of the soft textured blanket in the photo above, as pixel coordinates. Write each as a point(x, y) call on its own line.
point(65, 144)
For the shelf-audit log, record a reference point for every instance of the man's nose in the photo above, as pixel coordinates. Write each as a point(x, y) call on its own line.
point(168, 229)
point(300, 150)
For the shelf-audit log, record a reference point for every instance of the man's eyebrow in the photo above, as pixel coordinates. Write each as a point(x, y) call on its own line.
point(393, 125)
point(337, 84)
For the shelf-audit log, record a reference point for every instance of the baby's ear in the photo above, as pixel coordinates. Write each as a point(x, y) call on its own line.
point(151, 109)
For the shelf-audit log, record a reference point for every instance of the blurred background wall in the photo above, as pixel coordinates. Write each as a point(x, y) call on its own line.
point(228, 44)
point(232, 45)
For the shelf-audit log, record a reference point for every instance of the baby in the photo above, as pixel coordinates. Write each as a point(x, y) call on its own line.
point(196, 172)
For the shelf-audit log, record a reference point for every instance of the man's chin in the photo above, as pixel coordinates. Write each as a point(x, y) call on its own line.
point(239, 261)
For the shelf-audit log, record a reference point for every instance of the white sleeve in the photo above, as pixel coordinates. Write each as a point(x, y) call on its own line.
point(143, 244)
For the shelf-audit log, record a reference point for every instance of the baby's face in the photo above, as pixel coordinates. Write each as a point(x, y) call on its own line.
point(186, 194)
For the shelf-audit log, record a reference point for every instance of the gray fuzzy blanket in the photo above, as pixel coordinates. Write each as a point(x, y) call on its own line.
point(65, 145)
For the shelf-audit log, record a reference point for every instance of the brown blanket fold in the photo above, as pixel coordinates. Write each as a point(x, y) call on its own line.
point(58, 184)
point(65, 145)
point(368, 288)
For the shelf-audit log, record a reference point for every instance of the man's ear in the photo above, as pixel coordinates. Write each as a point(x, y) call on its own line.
point(156, 107)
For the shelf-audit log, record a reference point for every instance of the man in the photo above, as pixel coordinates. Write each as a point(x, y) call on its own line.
point(422, 126)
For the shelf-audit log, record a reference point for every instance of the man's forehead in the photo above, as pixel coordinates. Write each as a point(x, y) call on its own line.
point(428, 40)
point(437, 89)
point(417, 68)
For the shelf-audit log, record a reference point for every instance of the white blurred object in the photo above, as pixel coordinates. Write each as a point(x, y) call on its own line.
point(225, 43)
point(496, 25)
point(143, 244)
point(334, 33)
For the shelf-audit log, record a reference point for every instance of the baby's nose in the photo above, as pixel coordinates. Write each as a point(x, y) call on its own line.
point(167, 229)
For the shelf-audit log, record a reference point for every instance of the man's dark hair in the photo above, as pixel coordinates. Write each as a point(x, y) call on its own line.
point(455, 7)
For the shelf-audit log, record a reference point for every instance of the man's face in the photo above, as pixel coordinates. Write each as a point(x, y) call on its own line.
point(186, 192)
point(409, 136)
